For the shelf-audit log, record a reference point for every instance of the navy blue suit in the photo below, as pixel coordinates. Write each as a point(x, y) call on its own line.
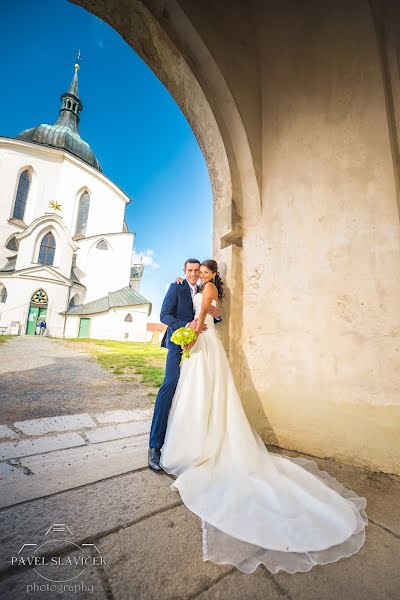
point(176, 311)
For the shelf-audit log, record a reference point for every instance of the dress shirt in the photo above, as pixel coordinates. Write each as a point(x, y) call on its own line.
point(193, 290)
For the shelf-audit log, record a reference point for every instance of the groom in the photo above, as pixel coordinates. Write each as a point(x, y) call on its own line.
point(177, 311)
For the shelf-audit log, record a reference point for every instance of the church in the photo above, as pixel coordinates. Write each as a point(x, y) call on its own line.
point(65, 248)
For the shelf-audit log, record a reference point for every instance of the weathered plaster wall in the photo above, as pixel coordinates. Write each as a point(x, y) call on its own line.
point(294, 105)
point(323, 259)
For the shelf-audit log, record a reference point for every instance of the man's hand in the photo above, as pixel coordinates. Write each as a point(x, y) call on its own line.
point(193, 325)
point(189, 346)
point(214, 311)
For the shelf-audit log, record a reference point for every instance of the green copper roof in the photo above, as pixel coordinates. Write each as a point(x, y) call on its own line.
point(64, 133)
point(123, 297)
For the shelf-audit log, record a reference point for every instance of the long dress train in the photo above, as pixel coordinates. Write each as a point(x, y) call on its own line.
point(255, 506)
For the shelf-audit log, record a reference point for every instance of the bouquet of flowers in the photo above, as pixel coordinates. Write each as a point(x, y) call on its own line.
point(182, 337)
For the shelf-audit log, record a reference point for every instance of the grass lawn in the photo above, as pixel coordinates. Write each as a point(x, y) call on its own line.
point(4, 338)
point(129, 359)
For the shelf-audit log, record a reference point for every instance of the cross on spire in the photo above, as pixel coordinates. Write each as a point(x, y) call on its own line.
point(78, 59)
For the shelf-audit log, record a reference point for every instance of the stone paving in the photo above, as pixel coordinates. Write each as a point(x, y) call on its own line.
point(90, 494)
point(47, 455)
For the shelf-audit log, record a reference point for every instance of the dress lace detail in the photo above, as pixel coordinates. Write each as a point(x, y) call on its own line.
point(255, 507)
point(204, 539)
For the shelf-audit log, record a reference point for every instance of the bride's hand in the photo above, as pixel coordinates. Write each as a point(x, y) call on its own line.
point(179, 280)
point(193, 325)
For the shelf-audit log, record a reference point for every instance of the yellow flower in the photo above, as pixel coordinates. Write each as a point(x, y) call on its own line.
point(183, 337)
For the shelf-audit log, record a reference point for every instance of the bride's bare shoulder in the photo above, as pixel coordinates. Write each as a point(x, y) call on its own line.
point(210, 288)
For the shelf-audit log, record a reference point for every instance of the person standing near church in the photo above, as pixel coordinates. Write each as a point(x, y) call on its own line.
point(177, 311)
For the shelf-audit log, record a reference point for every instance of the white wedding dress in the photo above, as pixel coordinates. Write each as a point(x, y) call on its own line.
point(255, 506)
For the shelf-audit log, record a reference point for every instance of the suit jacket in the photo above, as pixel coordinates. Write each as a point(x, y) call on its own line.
point(177, 310)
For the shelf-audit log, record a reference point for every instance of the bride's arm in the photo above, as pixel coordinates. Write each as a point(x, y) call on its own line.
point(210, 293)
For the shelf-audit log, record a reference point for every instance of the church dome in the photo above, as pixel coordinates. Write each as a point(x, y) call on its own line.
point(64, 133)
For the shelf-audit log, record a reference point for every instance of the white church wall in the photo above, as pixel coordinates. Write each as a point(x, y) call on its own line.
point(44, 169)
point(137, 328)
point(19, 294)
point(72, 326)
point(107, 202)
point(103, 271)
point(111, 325)
point(31, 238)
point(56, 175)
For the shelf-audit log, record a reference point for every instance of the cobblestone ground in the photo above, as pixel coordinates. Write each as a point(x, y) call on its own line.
point(41, 377)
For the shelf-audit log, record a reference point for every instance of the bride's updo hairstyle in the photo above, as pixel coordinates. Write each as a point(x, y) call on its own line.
point(212, 266)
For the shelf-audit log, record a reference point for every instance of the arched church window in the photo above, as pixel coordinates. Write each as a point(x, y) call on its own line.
point(40, 297)
point(102, 245)
point(12, 244)
point(22, 195)
point(74, 301)
point(128, 318)
point(83, 213)
point(3, 293)
point(47, 249)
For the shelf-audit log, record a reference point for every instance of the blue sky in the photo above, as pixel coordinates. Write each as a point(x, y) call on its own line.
point(132, 123)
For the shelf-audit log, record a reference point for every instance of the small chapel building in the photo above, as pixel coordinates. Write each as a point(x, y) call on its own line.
point(65, 247)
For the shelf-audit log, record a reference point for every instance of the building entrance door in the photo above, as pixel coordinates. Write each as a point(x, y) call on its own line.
point(37, 310)
point(84, 326)
point(33, 316)
point(35, 313)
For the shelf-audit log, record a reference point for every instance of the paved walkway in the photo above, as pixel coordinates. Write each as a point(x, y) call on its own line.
point(76, 488)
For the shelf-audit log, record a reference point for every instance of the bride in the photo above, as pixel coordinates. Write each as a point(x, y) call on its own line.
point(255, 506)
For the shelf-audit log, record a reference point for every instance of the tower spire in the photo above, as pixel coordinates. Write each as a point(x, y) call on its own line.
point(73, 88)
point(71, 104)
point(64, 133)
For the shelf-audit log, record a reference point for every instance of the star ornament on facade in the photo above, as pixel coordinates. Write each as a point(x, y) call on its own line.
point(55, 206)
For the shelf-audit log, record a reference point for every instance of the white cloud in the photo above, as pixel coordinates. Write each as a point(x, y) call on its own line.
point(147, 258)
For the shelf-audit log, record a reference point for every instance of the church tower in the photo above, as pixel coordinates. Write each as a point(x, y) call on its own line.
point(64, 133)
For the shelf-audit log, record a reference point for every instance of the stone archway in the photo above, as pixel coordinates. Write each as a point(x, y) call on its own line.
point(281, 98)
